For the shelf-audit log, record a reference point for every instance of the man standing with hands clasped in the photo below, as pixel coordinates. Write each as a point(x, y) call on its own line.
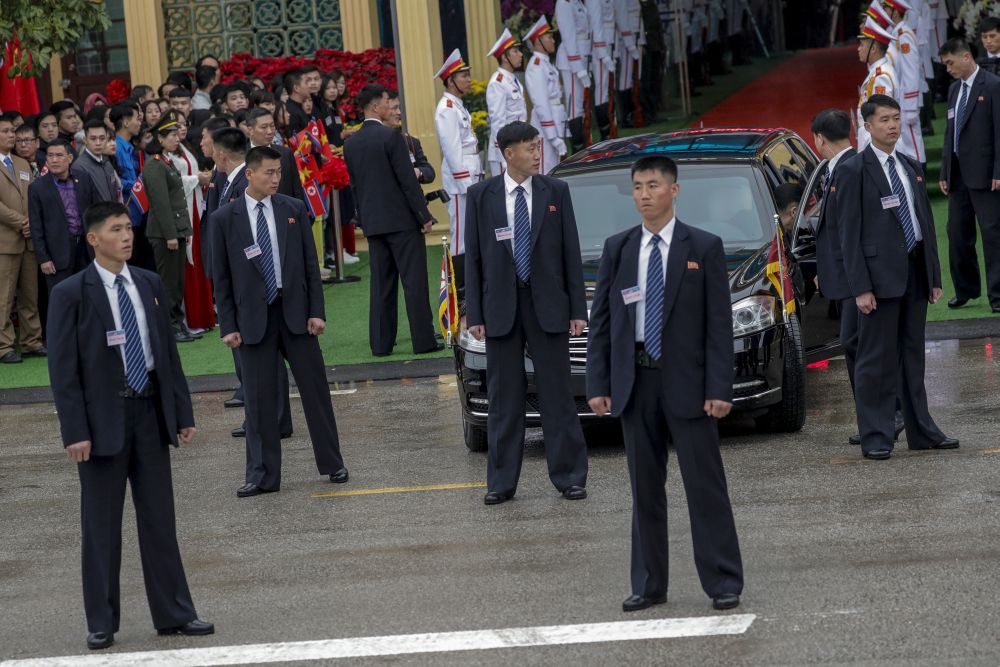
point(524, 285)
point(270, 302)
point(122, 398)
point(660, 356)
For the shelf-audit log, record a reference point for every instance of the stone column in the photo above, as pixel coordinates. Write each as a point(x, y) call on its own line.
point(482, 28)
point(147, 51)
point(359, 23)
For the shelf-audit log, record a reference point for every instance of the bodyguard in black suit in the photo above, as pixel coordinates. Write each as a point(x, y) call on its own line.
point(260, 123)
point(122, 398)
point(270, 302)
point(524, 286)
point(660, 356)
point(393, 215)
point(56, 203)
point(970, 174)
point(891, 261)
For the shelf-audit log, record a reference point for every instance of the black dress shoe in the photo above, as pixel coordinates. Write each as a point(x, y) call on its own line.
point(956, 302)
point(637, 602)
point(286, 435)
point(248, 490)
point(99, 640)
point(191, 628)
point(726, 601)
point(855, 439)
point(878, 454)
point(239, 432)
point(196, 336)
point(995, 309)
point(437, 348)
point(382, 354)
point(495, 498)
point(233, 403)
point(183, 337)
point(574, 493)
point(11, 358)
point(37, 352)
point(947, 443)
point(898, 428)
point(340, 476)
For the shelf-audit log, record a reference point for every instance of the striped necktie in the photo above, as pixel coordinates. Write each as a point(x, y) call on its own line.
point(10, 168)
point(904, 206)
point(522, 236)
point(135, 360)
point(653, 322)
point(960, 112)
point(266, 258)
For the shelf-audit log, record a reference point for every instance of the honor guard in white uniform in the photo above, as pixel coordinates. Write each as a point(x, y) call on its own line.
point(541, 78)
point(629, 39)
point(909, 85)
point(873, 42)
point(504, 95)
point(460, 165)
point(571, 60)
point(602, 63)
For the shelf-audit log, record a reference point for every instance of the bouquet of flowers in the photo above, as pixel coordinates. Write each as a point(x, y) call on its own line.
point(971, 13)
point(117, 91)
point(481, 126)
point(519, 15)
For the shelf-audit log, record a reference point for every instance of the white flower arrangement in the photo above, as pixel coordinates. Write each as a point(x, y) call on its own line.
point(971, 13)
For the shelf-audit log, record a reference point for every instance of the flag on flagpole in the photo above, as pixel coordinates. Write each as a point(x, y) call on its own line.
point(777, 265)
point(448, 297)
point(138, 203)
point(20, 92)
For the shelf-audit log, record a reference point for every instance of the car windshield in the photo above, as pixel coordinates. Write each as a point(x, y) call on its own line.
point(720, 198)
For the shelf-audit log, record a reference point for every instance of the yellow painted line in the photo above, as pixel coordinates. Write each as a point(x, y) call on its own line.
point(401, 489)
point(852, 459)
point(861, 459)
point(994, 450)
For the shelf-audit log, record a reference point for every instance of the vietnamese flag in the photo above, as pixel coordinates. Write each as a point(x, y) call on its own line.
point(18, 93)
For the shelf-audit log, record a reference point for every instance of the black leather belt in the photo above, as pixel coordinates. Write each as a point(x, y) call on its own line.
point(148, 392)
point(643, 359)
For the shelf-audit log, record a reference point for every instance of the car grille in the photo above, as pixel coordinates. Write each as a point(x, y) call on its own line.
point(534, 405)
point(577, 349)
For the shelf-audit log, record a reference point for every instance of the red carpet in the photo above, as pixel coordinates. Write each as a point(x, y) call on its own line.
point(790, 95)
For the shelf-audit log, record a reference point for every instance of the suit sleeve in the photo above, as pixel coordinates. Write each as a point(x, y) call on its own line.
point(566, 20)
point(427, 172)
point(446, 125)
point(599, 337)
point(930, 233)
point(849, 218)
point(36, 221)
point(158, 191)
point(719, 355)
point(183, 410)
point(64, 364)
point(949, 137)
point(399, 158)
point(314, 283)
point(623, 25)
point(995, 111)
point(10, 217)
point(473, 262)
point(909, 75)
point(601, 47)
point(223, 280)
point(572, 260)
point(538, 90)
point(496, 105)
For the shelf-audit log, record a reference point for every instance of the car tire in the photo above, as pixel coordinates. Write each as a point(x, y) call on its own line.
point(475, 436)
point(789, 415)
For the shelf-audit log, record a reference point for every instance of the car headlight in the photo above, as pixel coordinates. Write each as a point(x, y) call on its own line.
point(753, 314)
point(468, 342)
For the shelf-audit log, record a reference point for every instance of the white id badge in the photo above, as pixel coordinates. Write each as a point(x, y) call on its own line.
point(252, 251)
point(116, 337)
point(951, 114)
point(25, 176)
point(892, 201)
point(504, 233)
point(631, 295)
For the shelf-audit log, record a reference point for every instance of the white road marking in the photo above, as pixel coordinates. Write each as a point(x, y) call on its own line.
point(333, 392)
point(436, 642)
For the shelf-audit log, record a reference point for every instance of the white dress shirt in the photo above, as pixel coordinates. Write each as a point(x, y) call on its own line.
point(907, 188)
point(832, 164)
point(230, 177)
point(510, 185)
point(666, 236)
point(111, 290)
point(271, 231)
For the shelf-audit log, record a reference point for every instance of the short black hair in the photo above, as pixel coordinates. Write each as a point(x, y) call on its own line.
point(370, 93)
point(179, 92)
point(94, 125)
point(203, 58)
point(787, 194)
point(41, 117)
point(120, 113)
point(256, 114)
point(231, 139)
point(60, 106)
point(11, 115)
point(241, 116)
point(309, 68)
point(24, 129)
point(203, 76)
point(954, 47)
point(212, 124)
point(97, 214)
point(59, 142)
point(159, 89)
point(659, 163)
point(257, 155)
point(832, 125)
point(236, 87)
point(393, 94)
point(989, 24)
point(875, 101)
point(140, 91)
point(259, 97)
point(182, 79)
point(291, 79)
point(515, 133)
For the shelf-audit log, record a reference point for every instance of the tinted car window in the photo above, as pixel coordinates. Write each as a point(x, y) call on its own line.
point(782, 164)
point(804, 155)
point(719, 198)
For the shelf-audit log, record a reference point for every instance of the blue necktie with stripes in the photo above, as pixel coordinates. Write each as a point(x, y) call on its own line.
point(653, 322)
point(904, 206)
point(266, 258)
point(10, 167)
point(522, 236)
point(135, 361)
point(963, 100)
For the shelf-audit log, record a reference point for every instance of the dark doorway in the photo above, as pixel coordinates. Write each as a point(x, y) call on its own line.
point(99, 58)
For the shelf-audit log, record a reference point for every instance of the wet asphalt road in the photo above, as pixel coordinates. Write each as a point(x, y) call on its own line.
point(847, 561)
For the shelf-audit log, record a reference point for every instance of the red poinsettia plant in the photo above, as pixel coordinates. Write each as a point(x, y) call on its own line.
point(334, 173)
point(117, 91)
point(360, 69)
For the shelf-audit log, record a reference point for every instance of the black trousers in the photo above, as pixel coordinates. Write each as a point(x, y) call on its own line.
point(260, 382)
point(144, 463)
point(648, 426)
point(964, 206)
point(849, 315)
point(565, 449)
point(651, 83)
point(890, 363)
point(79, 259)
point(171, 264)
point(394, 257)
point(284, 407)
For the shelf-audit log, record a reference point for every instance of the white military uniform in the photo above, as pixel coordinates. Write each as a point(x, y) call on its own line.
point(571, 58)
point(909, 87)
point(881, 80)
point(460, 166)
point(505, 103)
point(628, 40)
point(548, 115)
point(602, 27)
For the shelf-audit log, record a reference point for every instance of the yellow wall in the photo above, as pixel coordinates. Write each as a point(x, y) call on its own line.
point(482, 28)
point(147, 51)
point(359, 24)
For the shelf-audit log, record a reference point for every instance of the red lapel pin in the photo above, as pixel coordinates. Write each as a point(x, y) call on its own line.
point(920, 179)
point(981, 98)
point(291, 221)
point(552, 208)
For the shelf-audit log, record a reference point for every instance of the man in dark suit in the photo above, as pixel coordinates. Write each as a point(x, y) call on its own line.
point(270, 302)
point(660, 356)
point(970, 174)
point(260, 122)
point(94, 163)
point(394, 217)
point(524, 286)
point(422, 168)
point(891, 263)
point(122, 398)
point(56, 203)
